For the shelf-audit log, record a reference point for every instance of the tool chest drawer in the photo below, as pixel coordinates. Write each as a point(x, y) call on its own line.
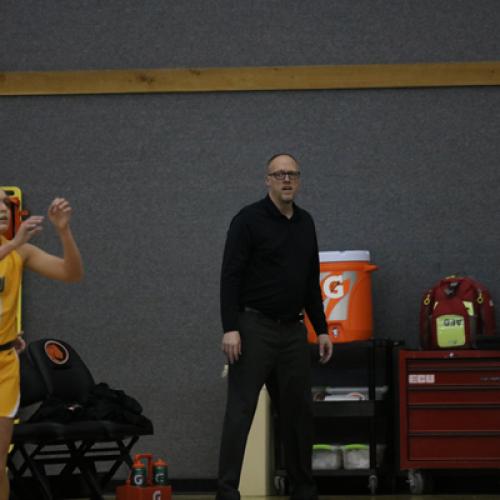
point(453, 372)
point(440, 418)
point(454, 395)
point(452, 450)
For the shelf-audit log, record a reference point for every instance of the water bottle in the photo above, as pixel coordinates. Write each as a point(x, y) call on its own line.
point(160, 472)
point(139, 474)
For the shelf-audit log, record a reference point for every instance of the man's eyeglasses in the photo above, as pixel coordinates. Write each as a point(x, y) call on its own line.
point(280, 175)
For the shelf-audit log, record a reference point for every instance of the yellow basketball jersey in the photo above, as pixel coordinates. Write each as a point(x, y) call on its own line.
point(11, 268)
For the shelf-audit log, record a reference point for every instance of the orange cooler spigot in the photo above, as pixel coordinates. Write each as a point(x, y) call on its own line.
point(345, 281)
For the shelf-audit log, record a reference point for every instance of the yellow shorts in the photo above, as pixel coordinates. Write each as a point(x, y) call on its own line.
point(10, 392)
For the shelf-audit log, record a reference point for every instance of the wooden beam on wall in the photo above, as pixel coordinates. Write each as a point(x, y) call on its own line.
point(370, 76)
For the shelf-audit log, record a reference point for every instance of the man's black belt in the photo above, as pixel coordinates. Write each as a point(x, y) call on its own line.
point(281, 321)
point(7, 346)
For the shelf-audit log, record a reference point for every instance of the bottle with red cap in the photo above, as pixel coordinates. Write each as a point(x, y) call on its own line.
point(160, 472)
point(139, 473)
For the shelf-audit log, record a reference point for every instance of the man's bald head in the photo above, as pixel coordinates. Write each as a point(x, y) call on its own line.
point(274, 157)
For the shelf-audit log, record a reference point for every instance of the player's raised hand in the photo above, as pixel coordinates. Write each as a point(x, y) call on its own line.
point(60, 213)
point(28, 228)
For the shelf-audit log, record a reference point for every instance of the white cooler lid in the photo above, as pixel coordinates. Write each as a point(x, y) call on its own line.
point(345, 256)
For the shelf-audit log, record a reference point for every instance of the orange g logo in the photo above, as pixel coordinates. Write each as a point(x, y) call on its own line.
point(56, 352)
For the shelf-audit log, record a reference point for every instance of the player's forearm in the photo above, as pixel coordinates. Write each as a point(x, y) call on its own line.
point(72, 260)
point(6, 248)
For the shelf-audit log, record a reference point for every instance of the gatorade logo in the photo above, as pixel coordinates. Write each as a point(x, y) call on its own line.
point(56, 352)
point(139, 480)
point(157, 495)
point(333, 287)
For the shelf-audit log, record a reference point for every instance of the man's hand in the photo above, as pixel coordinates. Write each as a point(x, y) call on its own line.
point(325, 348)
point(60, 213)
point(29, 228)
point(19, 343)
point(231, 346)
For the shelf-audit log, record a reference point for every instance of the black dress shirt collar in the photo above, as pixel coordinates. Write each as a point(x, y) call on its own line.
point(273, 210)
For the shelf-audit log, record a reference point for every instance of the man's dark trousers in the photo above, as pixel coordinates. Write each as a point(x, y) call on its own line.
point(277, 351)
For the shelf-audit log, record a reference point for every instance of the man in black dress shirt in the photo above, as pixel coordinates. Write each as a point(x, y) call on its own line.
point(270, 276)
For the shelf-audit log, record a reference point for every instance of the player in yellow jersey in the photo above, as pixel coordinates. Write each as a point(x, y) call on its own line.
point(15, 255)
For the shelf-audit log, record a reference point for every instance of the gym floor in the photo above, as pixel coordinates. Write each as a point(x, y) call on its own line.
point(352, 497)
point(357, 497)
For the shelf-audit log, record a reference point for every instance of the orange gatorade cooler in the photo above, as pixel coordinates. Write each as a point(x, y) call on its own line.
point(345, 280)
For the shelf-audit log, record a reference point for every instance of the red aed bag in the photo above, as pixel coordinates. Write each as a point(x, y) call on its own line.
point(454, 313)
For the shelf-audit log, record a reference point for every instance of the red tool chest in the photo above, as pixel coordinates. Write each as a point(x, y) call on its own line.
point(449, 410)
